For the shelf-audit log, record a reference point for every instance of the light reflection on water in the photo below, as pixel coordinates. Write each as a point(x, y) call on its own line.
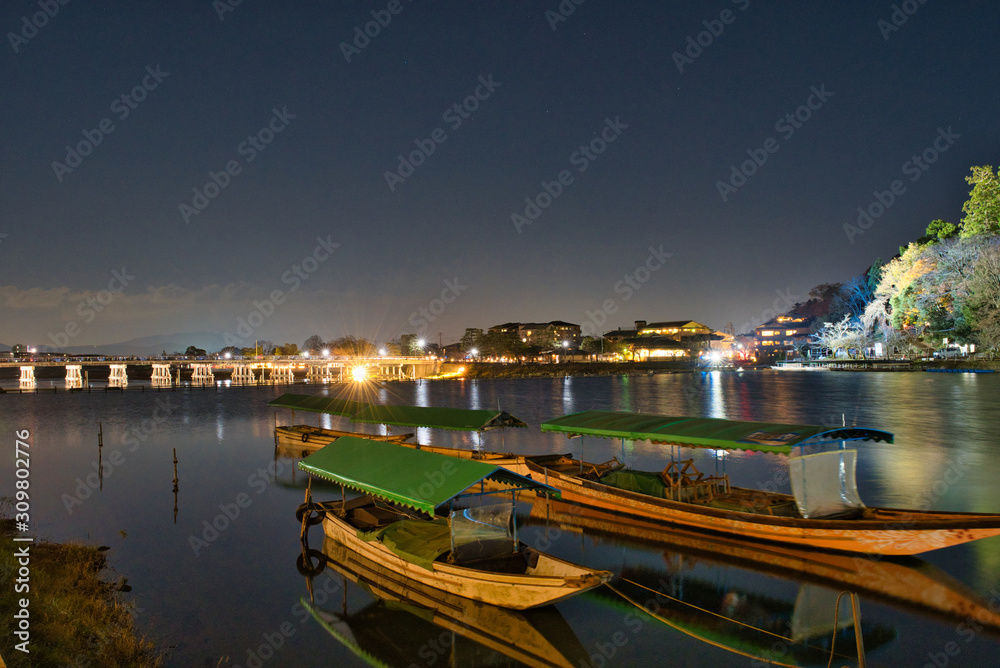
point(243, 584)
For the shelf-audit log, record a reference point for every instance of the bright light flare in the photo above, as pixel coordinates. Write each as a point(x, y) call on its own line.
point(359, 374)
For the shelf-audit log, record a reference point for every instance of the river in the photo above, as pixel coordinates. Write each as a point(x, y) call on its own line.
point(233, 592)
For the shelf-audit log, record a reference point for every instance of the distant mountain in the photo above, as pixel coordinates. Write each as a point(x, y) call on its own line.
point(4, 348)
point(148, 345)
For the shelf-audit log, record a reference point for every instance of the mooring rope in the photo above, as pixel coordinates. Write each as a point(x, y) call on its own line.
point(718, 644)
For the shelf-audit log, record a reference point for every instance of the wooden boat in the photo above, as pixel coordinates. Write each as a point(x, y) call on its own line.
point(908, 583)
point(539, 638)
point(828, 517)
point(399, 523)
point(303, 438)
point(306, 438)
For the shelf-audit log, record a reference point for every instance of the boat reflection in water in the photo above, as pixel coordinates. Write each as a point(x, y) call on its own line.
point(409, 623)
point(695, 592)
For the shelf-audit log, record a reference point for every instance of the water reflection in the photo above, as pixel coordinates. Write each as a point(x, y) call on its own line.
point(937, 419)
point(405, 621)
point(568, 402)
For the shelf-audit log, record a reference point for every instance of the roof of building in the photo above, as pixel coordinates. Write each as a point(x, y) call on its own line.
point(679, 324)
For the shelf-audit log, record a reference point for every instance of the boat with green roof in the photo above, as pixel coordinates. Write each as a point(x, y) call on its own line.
point(407, 519)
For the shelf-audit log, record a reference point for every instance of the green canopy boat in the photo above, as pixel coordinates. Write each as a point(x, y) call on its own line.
point(407, 521)
point(824, 510)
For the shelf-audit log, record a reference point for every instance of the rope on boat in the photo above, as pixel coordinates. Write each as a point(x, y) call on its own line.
point(690, 605)
point(714, 643)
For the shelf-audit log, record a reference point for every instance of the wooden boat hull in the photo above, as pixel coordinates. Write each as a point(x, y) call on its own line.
point(307, 439)
point(290, 438)
point(878, 531)
point(892, 580)
point(539, 638)
point(549, 581)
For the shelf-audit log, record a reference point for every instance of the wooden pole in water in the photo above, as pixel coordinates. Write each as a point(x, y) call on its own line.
point(856, 609)
point(100, 450)
point(175, 485)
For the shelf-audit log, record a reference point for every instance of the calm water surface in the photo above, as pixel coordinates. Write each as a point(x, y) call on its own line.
point(236, 594)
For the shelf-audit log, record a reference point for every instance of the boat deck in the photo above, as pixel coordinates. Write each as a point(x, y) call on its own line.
point(492, 555)
point(682, 482)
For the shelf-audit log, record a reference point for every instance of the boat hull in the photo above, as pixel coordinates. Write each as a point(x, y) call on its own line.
point(551, 580)
point(891, 580)
point(540, 638)
point(879, 531)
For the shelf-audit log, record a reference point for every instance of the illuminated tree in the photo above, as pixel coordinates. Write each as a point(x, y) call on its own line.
point(982, 210)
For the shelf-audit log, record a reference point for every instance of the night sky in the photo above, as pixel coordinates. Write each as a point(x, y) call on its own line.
point(606, 116)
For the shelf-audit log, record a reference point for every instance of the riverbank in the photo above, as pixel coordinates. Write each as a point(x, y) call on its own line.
point(534, 370)
point(75, 617)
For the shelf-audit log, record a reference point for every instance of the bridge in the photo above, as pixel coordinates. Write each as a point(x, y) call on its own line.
point(167, 372)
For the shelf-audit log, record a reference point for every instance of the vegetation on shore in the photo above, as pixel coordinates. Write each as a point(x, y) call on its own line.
point(77, 618)
point(942, 287)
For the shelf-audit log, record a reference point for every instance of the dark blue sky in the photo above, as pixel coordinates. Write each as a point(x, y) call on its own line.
point(342, 125)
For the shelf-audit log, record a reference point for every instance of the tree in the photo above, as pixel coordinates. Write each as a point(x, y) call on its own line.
point(503, 344)
point(940, 229)
point(314, 345)
point(350, 347)
point(846, 334)
point(473, 338)
point(982, 209)
point(409, 344)
point(984, 302)
point(195, 352)
point(287, 349)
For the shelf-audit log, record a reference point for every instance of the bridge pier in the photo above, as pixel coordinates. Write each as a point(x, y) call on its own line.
point(118, 377)
point(27, 379)
point(242, 374)
point(283, 374)
point(202, 374)
point(73, 376)
point(161, 375)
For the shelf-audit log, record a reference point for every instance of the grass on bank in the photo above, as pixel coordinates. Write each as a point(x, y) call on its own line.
point(76, 618)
